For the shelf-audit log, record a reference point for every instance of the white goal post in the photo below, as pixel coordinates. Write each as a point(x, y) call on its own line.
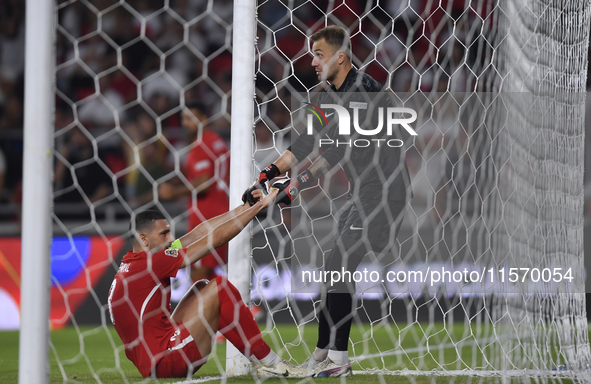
point(239, 254)
point(37, 192)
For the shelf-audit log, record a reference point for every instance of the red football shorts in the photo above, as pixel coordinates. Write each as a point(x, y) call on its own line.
point(181, 356)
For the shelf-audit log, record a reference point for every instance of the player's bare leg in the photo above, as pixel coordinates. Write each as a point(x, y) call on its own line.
point(187, 298)
point(219, 305)
point(199, 311)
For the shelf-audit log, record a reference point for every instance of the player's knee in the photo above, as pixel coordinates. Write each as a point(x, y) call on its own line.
point(221, 281)
point(226, 288)
point(199, 285)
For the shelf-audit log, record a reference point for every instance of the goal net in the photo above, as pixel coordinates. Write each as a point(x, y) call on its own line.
point(496, 171)
point(486, 276)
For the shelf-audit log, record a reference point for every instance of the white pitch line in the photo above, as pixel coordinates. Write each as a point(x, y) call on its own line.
point(407, 372)
point(199, 380)
point(421, 349)
point(470, 372)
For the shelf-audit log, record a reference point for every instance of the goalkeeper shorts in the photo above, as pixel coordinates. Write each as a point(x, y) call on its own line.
point(378, 224)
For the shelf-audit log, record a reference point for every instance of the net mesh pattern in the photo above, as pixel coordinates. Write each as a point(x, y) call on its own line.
point(496, 168)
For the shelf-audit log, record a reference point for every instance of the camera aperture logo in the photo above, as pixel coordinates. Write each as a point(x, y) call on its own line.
point(316, 114)
point(393, 116)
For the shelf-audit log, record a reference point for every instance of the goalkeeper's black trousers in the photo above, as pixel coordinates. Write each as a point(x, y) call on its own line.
point(337, 308)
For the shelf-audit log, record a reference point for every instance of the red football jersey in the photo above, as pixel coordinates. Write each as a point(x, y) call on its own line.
point(210, 157)
point(139, 305)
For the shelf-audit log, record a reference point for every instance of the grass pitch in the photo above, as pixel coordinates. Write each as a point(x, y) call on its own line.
point(95, 354)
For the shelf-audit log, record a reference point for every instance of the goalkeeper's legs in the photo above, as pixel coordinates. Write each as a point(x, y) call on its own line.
point(337, 315)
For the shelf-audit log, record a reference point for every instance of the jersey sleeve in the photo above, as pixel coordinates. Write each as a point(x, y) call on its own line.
point(167, 262)
point(334, 154)
point(302, 147)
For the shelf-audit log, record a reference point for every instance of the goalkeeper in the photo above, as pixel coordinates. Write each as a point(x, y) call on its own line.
point(167, 345)
point(379, 188)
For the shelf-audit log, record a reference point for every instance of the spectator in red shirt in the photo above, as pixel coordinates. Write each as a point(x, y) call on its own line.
point(207, 169)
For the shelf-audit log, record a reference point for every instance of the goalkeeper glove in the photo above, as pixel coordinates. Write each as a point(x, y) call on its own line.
point(265, 176)
point(269, 173)
point(290, 188)
point(247, 195)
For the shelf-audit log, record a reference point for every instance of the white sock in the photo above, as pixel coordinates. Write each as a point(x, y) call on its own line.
point(270, 360)
point(320, 354)
point(339, 357)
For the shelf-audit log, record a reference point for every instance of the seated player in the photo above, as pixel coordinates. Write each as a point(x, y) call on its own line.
point(165, 344)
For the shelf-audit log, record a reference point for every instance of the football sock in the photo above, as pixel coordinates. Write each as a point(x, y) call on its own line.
point(334, 323)
point(336, 317)
point(339, 357)
point(270, 360)
point(323, 329)
point(237, 324)
point(320, 354)
point(341, 312)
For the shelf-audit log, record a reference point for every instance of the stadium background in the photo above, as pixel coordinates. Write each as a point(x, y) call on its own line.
point(212, 86)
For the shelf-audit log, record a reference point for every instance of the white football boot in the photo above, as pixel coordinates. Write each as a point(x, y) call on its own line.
point(329, 368)
point(282, 369)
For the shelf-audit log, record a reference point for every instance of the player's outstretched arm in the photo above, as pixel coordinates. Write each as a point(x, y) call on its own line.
point(279, 167)
point(225, 231)
point(207, 226)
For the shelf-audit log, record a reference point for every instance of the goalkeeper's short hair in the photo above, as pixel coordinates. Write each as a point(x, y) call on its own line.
point(335, 36)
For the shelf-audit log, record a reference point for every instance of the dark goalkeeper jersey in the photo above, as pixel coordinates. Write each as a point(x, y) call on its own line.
point(371, 170)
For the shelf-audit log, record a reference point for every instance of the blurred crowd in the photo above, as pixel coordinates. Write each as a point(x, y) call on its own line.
point(122, 81)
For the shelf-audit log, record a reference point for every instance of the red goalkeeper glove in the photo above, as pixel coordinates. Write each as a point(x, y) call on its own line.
point(269, 173)
point(290, 188)
point(265, 176)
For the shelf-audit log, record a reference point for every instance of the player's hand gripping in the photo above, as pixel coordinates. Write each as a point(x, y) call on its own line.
point(290, 188)
point(264, 200)
point(262, 184)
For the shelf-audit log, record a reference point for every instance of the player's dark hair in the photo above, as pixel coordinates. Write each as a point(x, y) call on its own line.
point(199, 107)
point(335, 36)
point(144, 220)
